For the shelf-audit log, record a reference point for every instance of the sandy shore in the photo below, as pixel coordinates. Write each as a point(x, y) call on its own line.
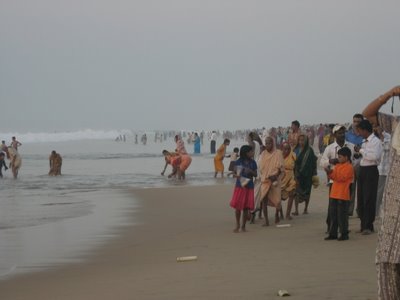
point(184, 221)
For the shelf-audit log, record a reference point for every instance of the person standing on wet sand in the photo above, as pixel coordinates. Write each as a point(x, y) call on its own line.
point(55, 162)
point(288, 186)
point(367, 185)
point(305, 169)
point(330, 158)
point(271, 167)
point(388, 249)
point(293, 136)
point(339, 195)
point(243, 194)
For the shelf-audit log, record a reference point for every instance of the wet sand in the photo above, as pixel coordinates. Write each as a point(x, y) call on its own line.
point(184, 221)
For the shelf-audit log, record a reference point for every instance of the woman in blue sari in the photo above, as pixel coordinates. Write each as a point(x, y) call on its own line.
point(197, 143)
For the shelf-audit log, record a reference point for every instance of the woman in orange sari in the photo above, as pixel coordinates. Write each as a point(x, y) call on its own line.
point(173, 159)
point(288, 180)
point(270, 169)
point(185, 159)
point(219, 157)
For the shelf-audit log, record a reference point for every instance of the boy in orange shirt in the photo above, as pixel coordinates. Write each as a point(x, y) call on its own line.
point(339, 196)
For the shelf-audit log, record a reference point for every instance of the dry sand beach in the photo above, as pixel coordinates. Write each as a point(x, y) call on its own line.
point(184, 221)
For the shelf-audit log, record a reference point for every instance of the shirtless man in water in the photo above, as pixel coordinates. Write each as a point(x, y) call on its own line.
point(14, 143)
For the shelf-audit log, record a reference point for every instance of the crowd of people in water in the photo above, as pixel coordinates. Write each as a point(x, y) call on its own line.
point(10, 153)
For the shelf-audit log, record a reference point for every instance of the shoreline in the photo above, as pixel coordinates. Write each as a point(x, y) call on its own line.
point(171, 222)
point(67, 239)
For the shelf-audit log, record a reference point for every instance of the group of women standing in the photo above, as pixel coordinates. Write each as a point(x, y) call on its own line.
point(279, 175)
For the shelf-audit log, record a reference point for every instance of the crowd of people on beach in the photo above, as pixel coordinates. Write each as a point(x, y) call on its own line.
point(280, 164)
point(362, 160)
point(355, 160)
point(362, 166)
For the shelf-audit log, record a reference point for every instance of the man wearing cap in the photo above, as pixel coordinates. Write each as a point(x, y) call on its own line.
point(330, 157)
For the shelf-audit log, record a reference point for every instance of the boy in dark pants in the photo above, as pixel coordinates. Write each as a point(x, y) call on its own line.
point(339, 196)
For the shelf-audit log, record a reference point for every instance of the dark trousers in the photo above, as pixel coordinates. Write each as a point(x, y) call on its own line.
point(367, 187)
point(339, 217)
point(212, 147)
point(328, 215)
point(353, 190)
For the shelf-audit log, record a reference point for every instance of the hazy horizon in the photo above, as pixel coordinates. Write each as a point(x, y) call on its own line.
point(143, 65)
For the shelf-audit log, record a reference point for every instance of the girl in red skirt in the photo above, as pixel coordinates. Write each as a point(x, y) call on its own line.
point(243, 194)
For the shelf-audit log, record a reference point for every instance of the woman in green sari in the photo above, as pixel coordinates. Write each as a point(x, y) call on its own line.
point(305, 169)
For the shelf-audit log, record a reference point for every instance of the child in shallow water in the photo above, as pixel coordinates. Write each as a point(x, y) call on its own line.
point(234, 157)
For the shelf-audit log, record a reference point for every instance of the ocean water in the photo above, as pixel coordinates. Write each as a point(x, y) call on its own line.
point(46, 221)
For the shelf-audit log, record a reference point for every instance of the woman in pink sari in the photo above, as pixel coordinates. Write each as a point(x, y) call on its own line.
point(271, 167)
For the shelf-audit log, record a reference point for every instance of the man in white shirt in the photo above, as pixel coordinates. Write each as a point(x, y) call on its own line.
point(213, 139)
point(330, 157)
point(367, 185)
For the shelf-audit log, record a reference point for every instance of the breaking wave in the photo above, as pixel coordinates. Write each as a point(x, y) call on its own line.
point(86, 134)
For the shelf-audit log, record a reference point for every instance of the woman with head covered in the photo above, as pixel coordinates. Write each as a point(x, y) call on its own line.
point(271, 167)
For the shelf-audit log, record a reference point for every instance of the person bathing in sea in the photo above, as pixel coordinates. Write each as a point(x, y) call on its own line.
point(173, 159)
point(2, 164)
point(55, 162)
point(15, 161)
point(14, 143)
point(219, 157)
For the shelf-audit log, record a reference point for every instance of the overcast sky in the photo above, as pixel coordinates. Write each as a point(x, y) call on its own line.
point(182, 64)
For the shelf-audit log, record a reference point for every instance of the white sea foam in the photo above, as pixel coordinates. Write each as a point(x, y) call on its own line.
point(85, 134)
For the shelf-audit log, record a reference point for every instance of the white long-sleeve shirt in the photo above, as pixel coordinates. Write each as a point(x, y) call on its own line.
point(385, 160)
point(371, 151)
point(330, 152)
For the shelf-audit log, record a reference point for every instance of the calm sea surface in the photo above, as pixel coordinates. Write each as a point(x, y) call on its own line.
point(46, 221)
